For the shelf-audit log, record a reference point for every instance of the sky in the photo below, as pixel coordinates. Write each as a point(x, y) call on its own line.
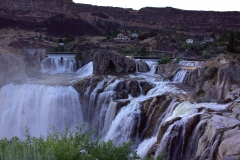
point(212, 5)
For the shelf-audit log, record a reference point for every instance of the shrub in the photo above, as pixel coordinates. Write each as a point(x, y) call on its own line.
point(164, 60)
point(69, 145)
point(206, 55)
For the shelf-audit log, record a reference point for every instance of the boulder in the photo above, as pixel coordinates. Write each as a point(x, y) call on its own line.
point(167, 70)
point(142, 66)
point(215, 143)
point(112, 62)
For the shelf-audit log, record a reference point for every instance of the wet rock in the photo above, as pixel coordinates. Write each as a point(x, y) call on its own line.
point(152, 109)
point(133, 88)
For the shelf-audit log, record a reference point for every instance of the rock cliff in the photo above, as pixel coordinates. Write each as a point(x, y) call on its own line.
point(218, 79)
point(95, 20)
point(112, 62)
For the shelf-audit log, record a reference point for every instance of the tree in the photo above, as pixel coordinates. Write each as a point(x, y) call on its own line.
point(231, 45)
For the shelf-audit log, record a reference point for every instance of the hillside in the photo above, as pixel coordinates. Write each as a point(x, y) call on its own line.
point(66, 17)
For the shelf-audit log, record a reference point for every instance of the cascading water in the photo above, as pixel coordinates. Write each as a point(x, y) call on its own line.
point(37, 107)
point(40, 106)
point(179, 77)
point(58, 64)
point(152, 65)
point(86, 70)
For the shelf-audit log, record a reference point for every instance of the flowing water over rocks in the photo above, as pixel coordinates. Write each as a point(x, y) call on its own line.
point(141, 107)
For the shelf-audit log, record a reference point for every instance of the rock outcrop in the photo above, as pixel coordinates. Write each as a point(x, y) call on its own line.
point(142, 66)
point(122, 88)
point(217, 79)
point(220, 140)
point(167, 70)
point(112, 62)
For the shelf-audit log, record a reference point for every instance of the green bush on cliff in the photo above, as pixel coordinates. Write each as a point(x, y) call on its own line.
point(164, 59)
point(68, 145)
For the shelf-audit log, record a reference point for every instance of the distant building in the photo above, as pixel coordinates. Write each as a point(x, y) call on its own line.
point(134, 35)
point(189, 41)
point(61, 44)
point(121, 37)
point(208, 39)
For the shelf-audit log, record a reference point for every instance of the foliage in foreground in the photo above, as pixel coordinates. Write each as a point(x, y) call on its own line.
point(70, 145)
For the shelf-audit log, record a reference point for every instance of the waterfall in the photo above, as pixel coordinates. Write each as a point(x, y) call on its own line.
point(86, 70)
point(123, 127)
point(37, 107)
point(153, 66)
point(57, 64)
point(180, 76)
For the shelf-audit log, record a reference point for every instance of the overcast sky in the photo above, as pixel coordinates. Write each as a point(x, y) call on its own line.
point(215, 5)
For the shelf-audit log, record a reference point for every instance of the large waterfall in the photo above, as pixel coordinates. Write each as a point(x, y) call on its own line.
point(37, 107)
point(138, 107)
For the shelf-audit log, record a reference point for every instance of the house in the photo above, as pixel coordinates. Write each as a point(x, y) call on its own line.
point(208, 39)
point(60, 44)
point(189, 41)
point(134, 35)
point(121, 37)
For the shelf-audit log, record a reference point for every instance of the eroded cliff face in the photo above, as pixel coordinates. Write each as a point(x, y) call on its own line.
point(112, 62)
point(219, 81)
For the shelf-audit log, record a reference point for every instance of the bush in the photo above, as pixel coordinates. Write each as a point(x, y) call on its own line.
point(206, 55)
point(164, 60)
point(69, 145)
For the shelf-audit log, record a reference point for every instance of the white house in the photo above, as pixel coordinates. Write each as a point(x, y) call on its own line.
point(134, 35)
point(189, 41)
point(208, 39)
point(121, 37)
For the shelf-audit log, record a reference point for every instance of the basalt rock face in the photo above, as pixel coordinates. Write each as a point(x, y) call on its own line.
point(142, 66)
point(112, 62)
point(152, 109)
point(12, 68)
point(167, 70)
point(220, 139)
point(121, 89)
point(219, 81)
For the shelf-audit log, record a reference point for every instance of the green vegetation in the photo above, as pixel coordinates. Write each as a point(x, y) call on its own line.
point(164, 60)
point(69, 145)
